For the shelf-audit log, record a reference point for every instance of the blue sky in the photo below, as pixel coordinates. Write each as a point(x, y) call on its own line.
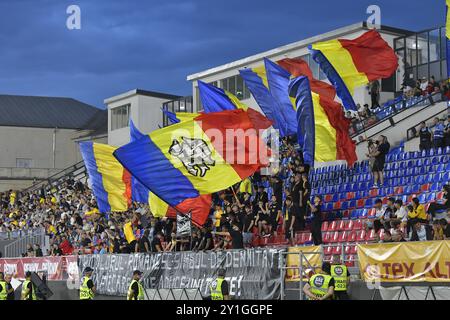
point(155, 44)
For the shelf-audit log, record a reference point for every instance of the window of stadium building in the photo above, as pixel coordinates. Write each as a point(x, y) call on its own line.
point(24, 163)
point(120, 117)
point(235, 85)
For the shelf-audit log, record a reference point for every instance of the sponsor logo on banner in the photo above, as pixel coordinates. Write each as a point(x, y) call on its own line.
point(54, 267)
point(405, 262)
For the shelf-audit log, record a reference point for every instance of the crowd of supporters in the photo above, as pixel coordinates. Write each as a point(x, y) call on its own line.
point(260, 206)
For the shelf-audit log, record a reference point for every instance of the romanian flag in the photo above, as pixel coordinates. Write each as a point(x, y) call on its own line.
point(278, 82)
point(215, 99)
point(322, 133)
point(199, 207)
point(349, 64)
point(346, 149)
point(257, 83)
point(198, 157)
point(111, 183)
point(178, 117)
point(447, 32)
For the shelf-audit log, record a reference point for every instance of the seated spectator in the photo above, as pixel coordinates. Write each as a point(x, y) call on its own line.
point(445, 228)
point(438, 232)
point(401, 213)
point(378, 223)
point(397, 232)
point(443, 205)
point(421, 232)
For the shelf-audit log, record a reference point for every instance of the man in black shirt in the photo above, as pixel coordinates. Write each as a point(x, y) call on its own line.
point(380, 159)
point(424, 137)
point(156, 242)
point(144, 243)
point(248, 222)
point(207, 240)
point(235, 234)
point(316, 222)
point(274, 213)
point(277, 187)
point(9, 288)
point(289, 219)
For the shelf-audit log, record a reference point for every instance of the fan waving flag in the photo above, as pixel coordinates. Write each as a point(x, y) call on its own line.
point(349, 64)
point(208, 154)
point(215, 99)
point(111, 184)
point(322, 127)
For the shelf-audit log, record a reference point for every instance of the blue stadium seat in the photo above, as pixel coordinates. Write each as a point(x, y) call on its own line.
point(430, 197)
point(435, 187)
point(354, 215)
point(418, 180)
point(344, 205)
point(422, 198)
point(415, 189)
point(445, 177)
point(363, 214)
point(369, 203)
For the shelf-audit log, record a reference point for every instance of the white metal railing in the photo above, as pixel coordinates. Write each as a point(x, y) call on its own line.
point(25, 238)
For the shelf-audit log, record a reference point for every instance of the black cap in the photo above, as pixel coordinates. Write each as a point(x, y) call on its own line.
point(326, 267)
point(221, 272)
point(28, 274)
point(135, 272)
point(88, 269)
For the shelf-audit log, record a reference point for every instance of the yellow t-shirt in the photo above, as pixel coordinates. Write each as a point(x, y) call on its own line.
point(245, 186)
point(217, 216)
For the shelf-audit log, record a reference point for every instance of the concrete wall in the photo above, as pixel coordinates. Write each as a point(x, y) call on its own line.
point(145, 112)
point(37, 144)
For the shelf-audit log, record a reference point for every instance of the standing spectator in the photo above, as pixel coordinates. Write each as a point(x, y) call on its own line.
point(374, 91)
point(157, 242)
point(316, 220)
point(424, 135)
point(235, 234)
point(289, 219)
point(296, 194)
point(380, 159)
point(144, 242)
point(438, 133)
point(447, 132)
point(274, 213)
point(248, 224)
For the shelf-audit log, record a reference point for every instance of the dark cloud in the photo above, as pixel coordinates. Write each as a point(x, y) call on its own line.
point(155, 44)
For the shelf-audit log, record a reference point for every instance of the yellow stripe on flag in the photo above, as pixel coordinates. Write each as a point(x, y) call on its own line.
point(343, 63)
point(186, 116)
point(157, 206)
point(447, 25)
point(218, 177)
point(325, 134)
point(112, 176)
point(261, 72)
point(236, 101)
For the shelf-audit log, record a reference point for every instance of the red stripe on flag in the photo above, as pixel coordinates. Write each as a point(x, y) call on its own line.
point(245, 158)
point(126, 178)
point(372, 55)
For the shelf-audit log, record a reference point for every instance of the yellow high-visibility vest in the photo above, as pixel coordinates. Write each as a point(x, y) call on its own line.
point(25, 287)
point(319, 284)
point(216, 289)
point(85, 292)
point(3, 293)
point(339, 273)
point(130, 295)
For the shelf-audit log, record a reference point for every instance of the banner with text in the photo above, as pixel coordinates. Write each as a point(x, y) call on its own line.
point(312, 260)
point(251, 274)
point(405, 262)
point(56, 268)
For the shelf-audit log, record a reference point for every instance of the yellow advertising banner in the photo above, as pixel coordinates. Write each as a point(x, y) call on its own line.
point(405, 262)
point(312, 259)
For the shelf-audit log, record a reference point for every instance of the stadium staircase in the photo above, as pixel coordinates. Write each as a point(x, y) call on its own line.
point(396, 120)
point(348, 198)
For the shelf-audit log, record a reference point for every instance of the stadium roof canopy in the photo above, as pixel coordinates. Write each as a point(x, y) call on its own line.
point(50, 112)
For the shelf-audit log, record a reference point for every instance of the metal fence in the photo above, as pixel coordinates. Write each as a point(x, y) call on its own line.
point(25, 238)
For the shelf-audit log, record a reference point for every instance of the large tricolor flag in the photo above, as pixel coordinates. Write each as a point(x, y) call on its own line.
point(111, 183)
point(216, 99)
point(198, 207)
point(323, 129)
point(349, 64)
point(257, 83)
point(447, 32)
point(193, 158)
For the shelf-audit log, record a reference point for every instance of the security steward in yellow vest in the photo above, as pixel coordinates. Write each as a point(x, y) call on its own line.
point(28, 288)
point(87, 288)
point(341, 277)
point(321, 285)
point(136, 290)
point(219, 287)
point(3, 287)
